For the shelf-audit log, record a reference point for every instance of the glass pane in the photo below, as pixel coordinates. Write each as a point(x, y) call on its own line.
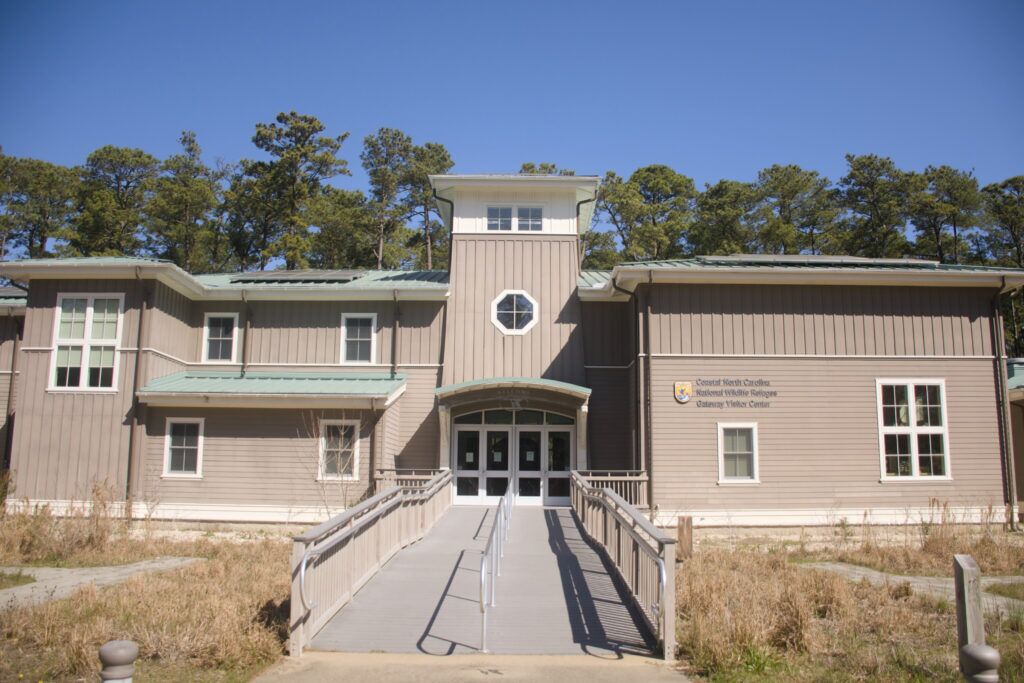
point(72, 319)
point(467, 451)
point(497, 451)
point(332, 437)
point(469, 419)
point(101, 367)
point(358, 328)
point(558, 487)
point(507, 304)
point(184, 435)
point(529, 451)
point(357, 351)
point(507, 320)
point(522, 319)
point(467, 486)
point(498, 417)
point(104, 319)
point(529, 487)
point(928, 405)
point(529, 417)
point(739, 465)
point(556, 419)
point(69, 362)
point(331, 464)
point(895, 406)
point(496, 486)
point(558, 451)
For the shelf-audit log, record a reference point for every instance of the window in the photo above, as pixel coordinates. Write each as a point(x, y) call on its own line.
point(737, 453)
point(339, 449)
point(499, 217)
point(912, 429)
point(514, 312)
point(359, 338)
point(530, 218)
point(183, 455)
point(219, 337)
point(87, 328)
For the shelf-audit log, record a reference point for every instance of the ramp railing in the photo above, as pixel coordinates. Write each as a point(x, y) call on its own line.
point(490, 560)
point(643, 556)
point(406, 478)
point(630, 484)
point(333, 560)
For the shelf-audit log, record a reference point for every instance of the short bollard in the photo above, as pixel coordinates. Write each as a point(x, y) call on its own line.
point(979, 663)
point(118, 660)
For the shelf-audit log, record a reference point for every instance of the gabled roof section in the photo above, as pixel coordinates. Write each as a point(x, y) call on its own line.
point(794, 269)
point(295, 389)
point(12, 300)
point(261, 285)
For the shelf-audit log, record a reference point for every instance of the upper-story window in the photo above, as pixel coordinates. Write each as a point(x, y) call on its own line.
point(219, 336)
point(499, 217)
point(912, 429)
point(86, 335)
point(359, 337)
point(521, 219)
point(514, 312)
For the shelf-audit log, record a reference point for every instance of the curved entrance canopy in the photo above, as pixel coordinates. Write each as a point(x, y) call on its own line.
point(526, 433)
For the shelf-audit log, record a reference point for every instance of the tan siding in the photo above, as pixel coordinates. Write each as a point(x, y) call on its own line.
point(545, 267)
point(818, 442)
point(173, 327)
point(610, 435)
point(820, 321)
point(608, 334)
point(419, 430)
point(391, 438)
point(265, 457)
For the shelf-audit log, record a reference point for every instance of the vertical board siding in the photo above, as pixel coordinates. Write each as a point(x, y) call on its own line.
point(820, 321)
point(610, 434)
point(418, 428)
point(818, 441)
point(608, 333)
point(545, 267)
point(173, 325)
point(256, 457)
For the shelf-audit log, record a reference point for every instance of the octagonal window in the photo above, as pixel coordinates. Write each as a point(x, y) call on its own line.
point(514, 312)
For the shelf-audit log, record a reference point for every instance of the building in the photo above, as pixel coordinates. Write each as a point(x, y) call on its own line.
point(738, 390)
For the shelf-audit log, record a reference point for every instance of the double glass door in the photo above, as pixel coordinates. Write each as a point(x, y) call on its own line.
point(533, 458)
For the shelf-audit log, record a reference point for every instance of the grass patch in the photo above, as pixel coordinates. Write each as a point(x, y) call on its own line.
point(1007, 590)
point(12, 579)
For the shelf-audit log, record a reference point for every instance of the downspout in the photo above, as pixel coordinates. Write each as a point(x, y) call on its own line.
point(19, 325)
point(636, 448)
point(442, 446)
point(374, 445)
point(451, 219)
point(248, 329)
point(133, 425)
point(579, 231)
point(394, 334)
point(1006, 431)
point(648, 422)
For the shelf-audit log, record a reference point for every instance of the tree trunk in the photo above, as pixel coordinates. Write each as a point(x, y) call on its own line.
point(380, 247)
point(426, 235)
point(956, 240)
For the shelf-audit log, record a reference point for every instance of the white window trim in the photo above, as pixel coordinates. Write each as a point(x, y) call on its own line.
point(206, 338)
point(529, 325)
point(373, 338)
point(320, 476)
point(722, 479)
point(515, 218)
point(86, 343)
point(913, 430)
point(201, 421)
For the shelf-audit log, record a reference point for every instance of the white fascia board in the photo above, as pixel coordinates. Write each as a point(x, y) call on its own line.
point(277, 401)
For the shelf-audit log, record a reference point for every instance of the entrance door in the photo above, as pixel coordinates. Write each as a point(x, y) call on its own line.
point(529, 475)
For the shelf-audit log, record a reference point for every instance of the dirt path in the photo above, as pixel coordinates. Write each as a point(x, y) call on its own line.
point(52, 583)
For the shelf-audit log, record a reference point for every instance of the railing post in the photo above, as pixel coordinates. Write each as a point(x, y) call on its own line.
point(298, 616)
point(979, 663)
point(668, 603)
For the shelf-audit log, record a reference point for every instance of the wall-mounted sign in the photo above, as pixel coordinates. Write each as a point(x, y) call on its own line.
point(684, 391)
point(469, 457)
point(529, 456)
point(727, 392)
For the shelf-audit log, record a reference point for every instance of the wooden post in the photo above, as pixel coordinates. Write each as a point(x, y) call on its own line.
point(668, 603)
point(298, 613)
point(684, 533)
point(979, 663)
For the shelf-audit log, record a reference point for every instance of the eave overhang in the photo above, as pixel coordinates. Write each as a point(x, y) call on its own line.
point(575, 391)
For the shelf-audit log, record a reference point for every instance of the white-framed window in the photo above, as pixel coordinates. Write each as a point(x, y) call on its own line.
point(514, 312)
point(499, 217)
point(220, 334)
point(529, 218)
point(86, 333)
point(183, 447)
point(913, 437)
point(359, 338)
point(737, 453)
point(339, 450)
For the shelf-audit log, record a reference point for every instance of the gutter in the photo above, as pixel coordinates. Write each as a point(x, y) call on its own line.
point(1005, 424)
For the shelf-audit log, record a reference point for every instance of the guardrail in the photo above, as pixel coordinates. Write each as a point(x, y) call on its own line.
point(406, 478)
point(490, 560)
point(333, 560)
point(643, 556)
point(630, 484)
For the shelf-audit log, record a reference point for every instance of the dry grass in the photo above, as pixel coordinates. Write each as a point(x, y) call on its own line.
point(1008, 590)
point(12, 579)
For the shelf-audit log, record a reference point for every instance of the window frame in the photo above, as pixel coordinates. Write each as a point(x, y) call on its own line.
point(344, 338)
point(494, 312)
point(322, 449)
point(206, 339)
point(168, 422)
point(514, 224)
point(86, 343)
point(727, 481)
point(913, 429)
point(512, 217)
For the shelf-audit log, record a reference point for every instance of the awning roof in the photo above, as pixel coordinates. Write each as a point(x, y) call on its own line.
point(573, 390)
point(274, 389)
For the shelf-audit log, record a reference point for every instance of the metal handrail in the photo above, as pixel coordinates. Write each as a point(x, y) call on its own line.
point(490, 559)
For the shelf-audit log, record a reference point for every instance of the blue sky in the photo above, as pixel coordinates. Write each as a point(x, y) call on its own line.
point(714, 89)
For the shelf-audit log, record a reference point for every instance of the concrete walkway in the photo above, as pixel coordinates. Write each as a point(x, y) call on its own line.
point(52, 583)
point(555, 596)
point(935, 586)
point(315, 667)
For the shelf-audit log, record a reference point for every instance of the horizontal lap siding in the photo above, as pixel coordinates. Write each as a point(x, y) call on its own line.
point(818, 442)
point(822, 320)
point(67, 443)
point(256, 457)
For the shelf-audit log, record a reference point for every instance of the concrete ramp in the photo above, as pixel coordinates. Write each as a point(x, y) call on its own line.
point(556, 594)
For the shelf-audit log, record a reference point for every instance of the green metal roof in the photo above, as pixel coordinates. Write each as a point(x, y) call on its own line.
point(593, 278)
point(808, 262)
point(12, 296)
point(277, 383)
point(528, 382)
point(354, 280)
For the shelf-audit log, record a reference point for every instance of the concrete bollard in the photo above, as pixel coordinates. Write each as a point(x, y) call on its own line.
point(118, 660)
point(979, 663)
